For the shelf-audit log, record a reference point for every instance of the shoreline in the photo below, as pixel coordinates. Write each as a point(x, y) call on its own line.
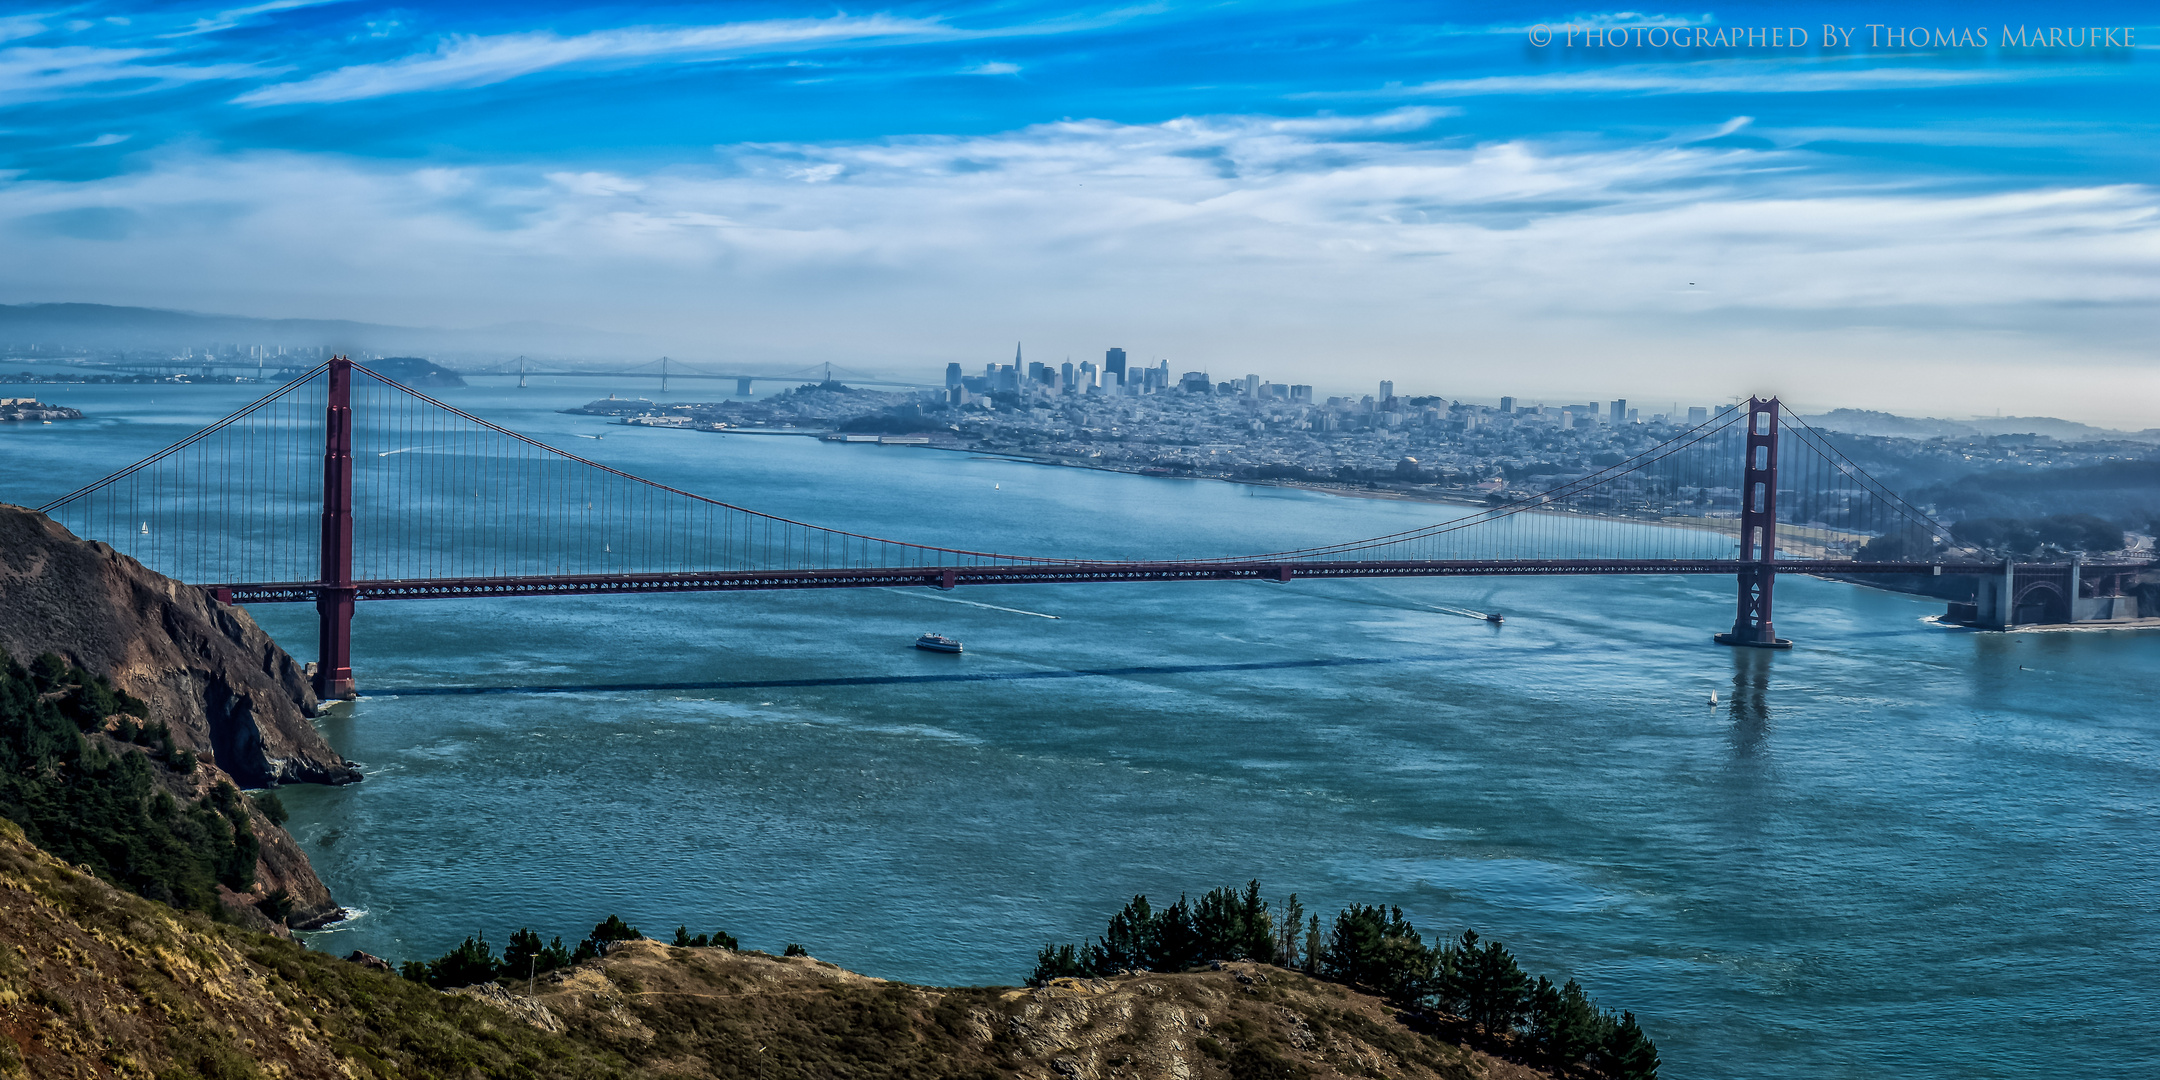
point(1796, 542)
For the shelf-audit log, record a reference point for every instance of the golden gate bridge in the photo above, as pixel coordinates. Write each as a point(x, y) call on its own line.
point(345, 486)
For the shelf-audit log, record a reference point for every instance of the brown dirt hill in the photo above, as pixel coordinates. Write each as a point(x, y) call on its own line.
point(227, 691)
point(95, 982)
point(98, 982)
point(718, 1013)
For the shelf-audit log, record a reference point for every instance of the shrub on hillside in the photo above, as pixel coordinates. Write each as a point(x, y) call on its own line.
point(1475, 980)
point(80, 799)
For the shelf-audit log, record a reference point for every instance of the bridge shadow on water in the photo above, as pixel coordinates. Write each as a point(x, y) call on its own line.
point(888, 680)
point(1749, 705)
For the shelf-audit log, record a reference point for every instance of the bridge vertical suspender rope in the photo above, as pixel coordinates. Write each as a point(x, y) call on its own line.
point(334, 599)
point(1758, 531)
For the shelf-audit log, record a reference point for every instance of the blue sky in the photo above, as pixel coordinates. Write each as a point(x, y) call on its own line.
point(1327, 193)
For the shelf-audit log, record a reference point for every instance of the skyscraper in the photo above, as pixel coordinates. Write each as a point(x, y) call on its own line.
point(1696, 414)
point(1619, 412)
point(1507, 405)
point(1387, 390)
point(1113, 368)
point(952, 374)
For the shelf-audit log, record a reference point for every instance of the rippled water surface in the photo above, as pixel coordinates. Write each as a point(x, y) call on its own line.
point(1896, 849)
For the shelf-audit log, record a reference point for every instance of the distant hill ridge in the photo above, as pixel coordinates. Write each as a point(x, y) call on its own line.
point(1870, 422)
point(105, 326)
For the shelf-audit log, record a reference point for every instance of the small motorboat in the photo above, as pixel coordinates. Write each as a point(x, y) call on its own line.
point(937, 643)
point(1494, 618)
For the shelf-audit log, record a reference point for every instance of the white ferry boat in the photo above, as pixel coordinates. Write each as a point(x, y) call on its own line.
point(937, 643)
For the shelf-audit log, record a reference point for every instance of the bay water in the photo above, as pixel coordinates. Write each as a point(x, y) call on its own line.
point(1897, 848)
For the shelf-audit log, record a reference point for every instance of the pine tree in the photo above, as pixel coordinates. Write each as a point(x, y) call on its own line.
point(1129, 943)
point(1230, 925)
point(1628, 1054)
point(1177, 940)
point(1058, 962)
point(1379, 949)
point(1564, 1024)
point(1486, 986)
point(1452, 974)
point(1286, 938)
point(470, 963)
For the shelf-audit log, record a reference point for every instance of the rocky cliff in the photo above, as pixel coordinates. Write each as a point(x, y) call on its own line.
point(227, 691)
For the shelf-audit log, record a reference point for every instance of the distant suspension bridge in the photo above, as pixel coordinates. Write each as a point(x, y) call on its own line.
point(344, 485)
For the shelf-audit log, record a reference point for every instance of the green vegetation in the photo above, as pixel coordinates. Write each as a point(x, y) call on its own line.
point(270, 807)
point(474, 961)
point(87, 798)
point(1476, 982)
point(2065, 532)
point(2122, 490)
point(719, 939)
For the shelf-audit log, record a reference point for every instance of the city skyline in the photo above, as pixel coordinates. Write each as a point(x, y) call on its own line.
point(1251, 384)
point(1960, 230)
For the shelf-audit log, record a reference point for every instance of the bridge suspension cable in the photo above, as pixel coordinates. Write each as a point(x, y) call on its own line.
point(440, 493)
point(345, 485)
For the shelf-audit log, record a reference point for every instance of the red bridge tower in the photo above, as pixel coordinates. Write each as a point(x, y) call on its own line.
point(334, 597)
point(1758, 531)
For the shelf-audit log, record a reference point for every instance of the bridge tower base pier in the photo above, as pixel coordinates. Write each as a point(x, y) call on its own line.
point(1758, 532)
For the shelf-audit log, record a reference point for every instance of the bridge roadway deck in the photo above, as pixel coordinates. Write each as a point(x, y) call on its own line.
point(946, 577)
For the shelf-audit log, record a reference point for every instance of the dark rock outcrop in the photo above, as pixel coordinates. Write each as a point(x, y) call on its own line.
point(226, 689)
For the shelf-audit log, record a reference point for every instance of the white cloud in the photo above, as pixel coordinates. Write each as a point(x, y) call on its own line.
point(20, 26)
point(1324, 250)
point(1705, 77)
point(33, 74)
point(465, 61)
point(1603, 19)
point(226, 20)
point(107, 139)
point(995, 67)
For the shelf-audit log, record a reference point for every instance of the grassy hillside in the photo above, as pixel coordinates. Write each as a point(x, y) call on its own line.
point(98, 982)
